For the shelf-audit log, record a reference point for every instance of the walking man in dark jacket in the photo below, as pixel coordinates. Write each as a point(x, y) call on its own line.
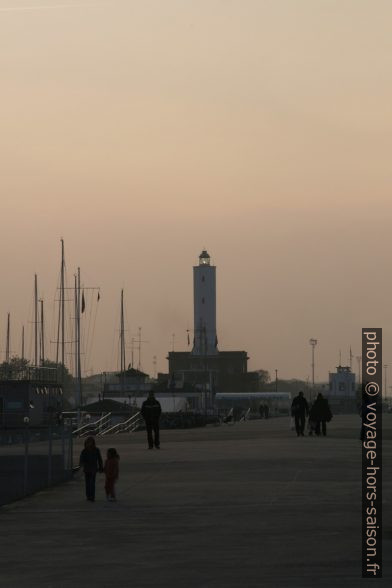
point(321, 414)
point(151, 411)
point(299, 409)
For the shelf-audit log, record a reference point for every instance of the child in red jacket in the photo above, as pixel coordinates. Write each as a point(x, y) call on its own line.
point(111, 473)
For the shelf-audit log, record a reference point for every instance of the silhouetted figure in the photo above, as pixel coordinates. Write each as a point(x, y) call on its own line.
point(91, 461)
point(261, 410)
point(151, 412)
point(321, 414)
point(299, 409)
point(111, 470)
point(266, 411)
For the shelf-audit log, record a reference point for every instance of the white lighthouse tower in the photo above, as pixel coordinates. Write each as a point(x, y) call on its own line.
point(204, 303)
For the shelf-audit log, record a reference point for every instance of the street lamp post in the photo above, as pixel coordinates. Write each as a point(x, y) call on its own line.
point(313, 343)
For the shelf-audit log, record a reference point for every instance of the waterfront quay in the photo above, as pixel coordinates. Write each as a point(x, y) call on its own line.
point(248, 505)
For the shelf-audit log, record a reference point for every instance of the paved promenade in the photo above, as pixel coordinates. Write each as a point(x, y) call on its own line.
point(220, 507)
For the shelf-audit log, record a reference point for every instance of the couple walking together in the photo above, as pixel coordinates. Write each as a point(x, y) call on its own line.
point(319, 414)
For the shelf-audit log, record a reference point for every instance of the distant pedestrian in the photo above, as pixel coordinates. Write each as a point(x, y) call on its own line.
point(266, 411)
point(91, 462)
point(321, 414)
point(261, 410)
point(299, 409)
point(111, 470)
point(151, 412)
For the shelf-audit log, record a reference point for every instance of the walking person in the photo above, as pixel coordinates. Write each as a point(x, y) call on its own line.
point(321, 414)
point(299, 409)
point(111, 470)
point(151, 412)
point(91, 462)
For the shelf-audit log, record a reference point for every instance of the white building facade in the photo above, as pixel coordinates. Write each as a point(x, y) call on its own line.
point(342, 383)
point(205, 340)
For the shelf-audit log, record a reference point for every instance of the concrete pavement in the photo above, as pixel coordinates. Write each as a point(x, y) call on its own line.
point(248, 504)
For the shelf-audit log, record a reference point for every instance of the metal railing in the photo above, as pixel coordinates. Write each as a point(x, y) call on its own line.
point(128, 426)
point(95, 427)
point(245, 416)
point(33, 458)
point(30, 374)
point(229, 417)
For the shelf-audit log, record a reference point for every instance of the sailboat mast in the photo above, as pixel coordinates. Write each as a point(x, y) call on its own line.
point(42, 359)
point(61, 316)
point(76, 338)
point(122, 336)
point(122, 343)
point(78, 362)
point(62, 286)
point(22, 356)
point(35, 321)
point(7, 347)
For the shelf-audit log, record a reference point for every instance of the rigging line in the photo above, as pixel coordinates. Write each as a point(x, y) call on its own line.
point(31, 330)
point(58, 320)
point(113, 343)
point(58, 298)
point(88, 340)
point(52, 338)
point(69, 329)
point(85, 329)
point(68, 325)
point(126, 322)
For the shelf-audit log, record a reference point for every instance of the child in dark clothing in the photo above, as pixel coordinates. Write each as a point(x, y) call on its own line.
point(111, 472)
point(91, 461)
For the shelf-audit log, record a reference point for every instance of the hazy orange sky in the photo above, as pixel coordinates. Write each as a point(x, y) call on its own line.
point(143, 131)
